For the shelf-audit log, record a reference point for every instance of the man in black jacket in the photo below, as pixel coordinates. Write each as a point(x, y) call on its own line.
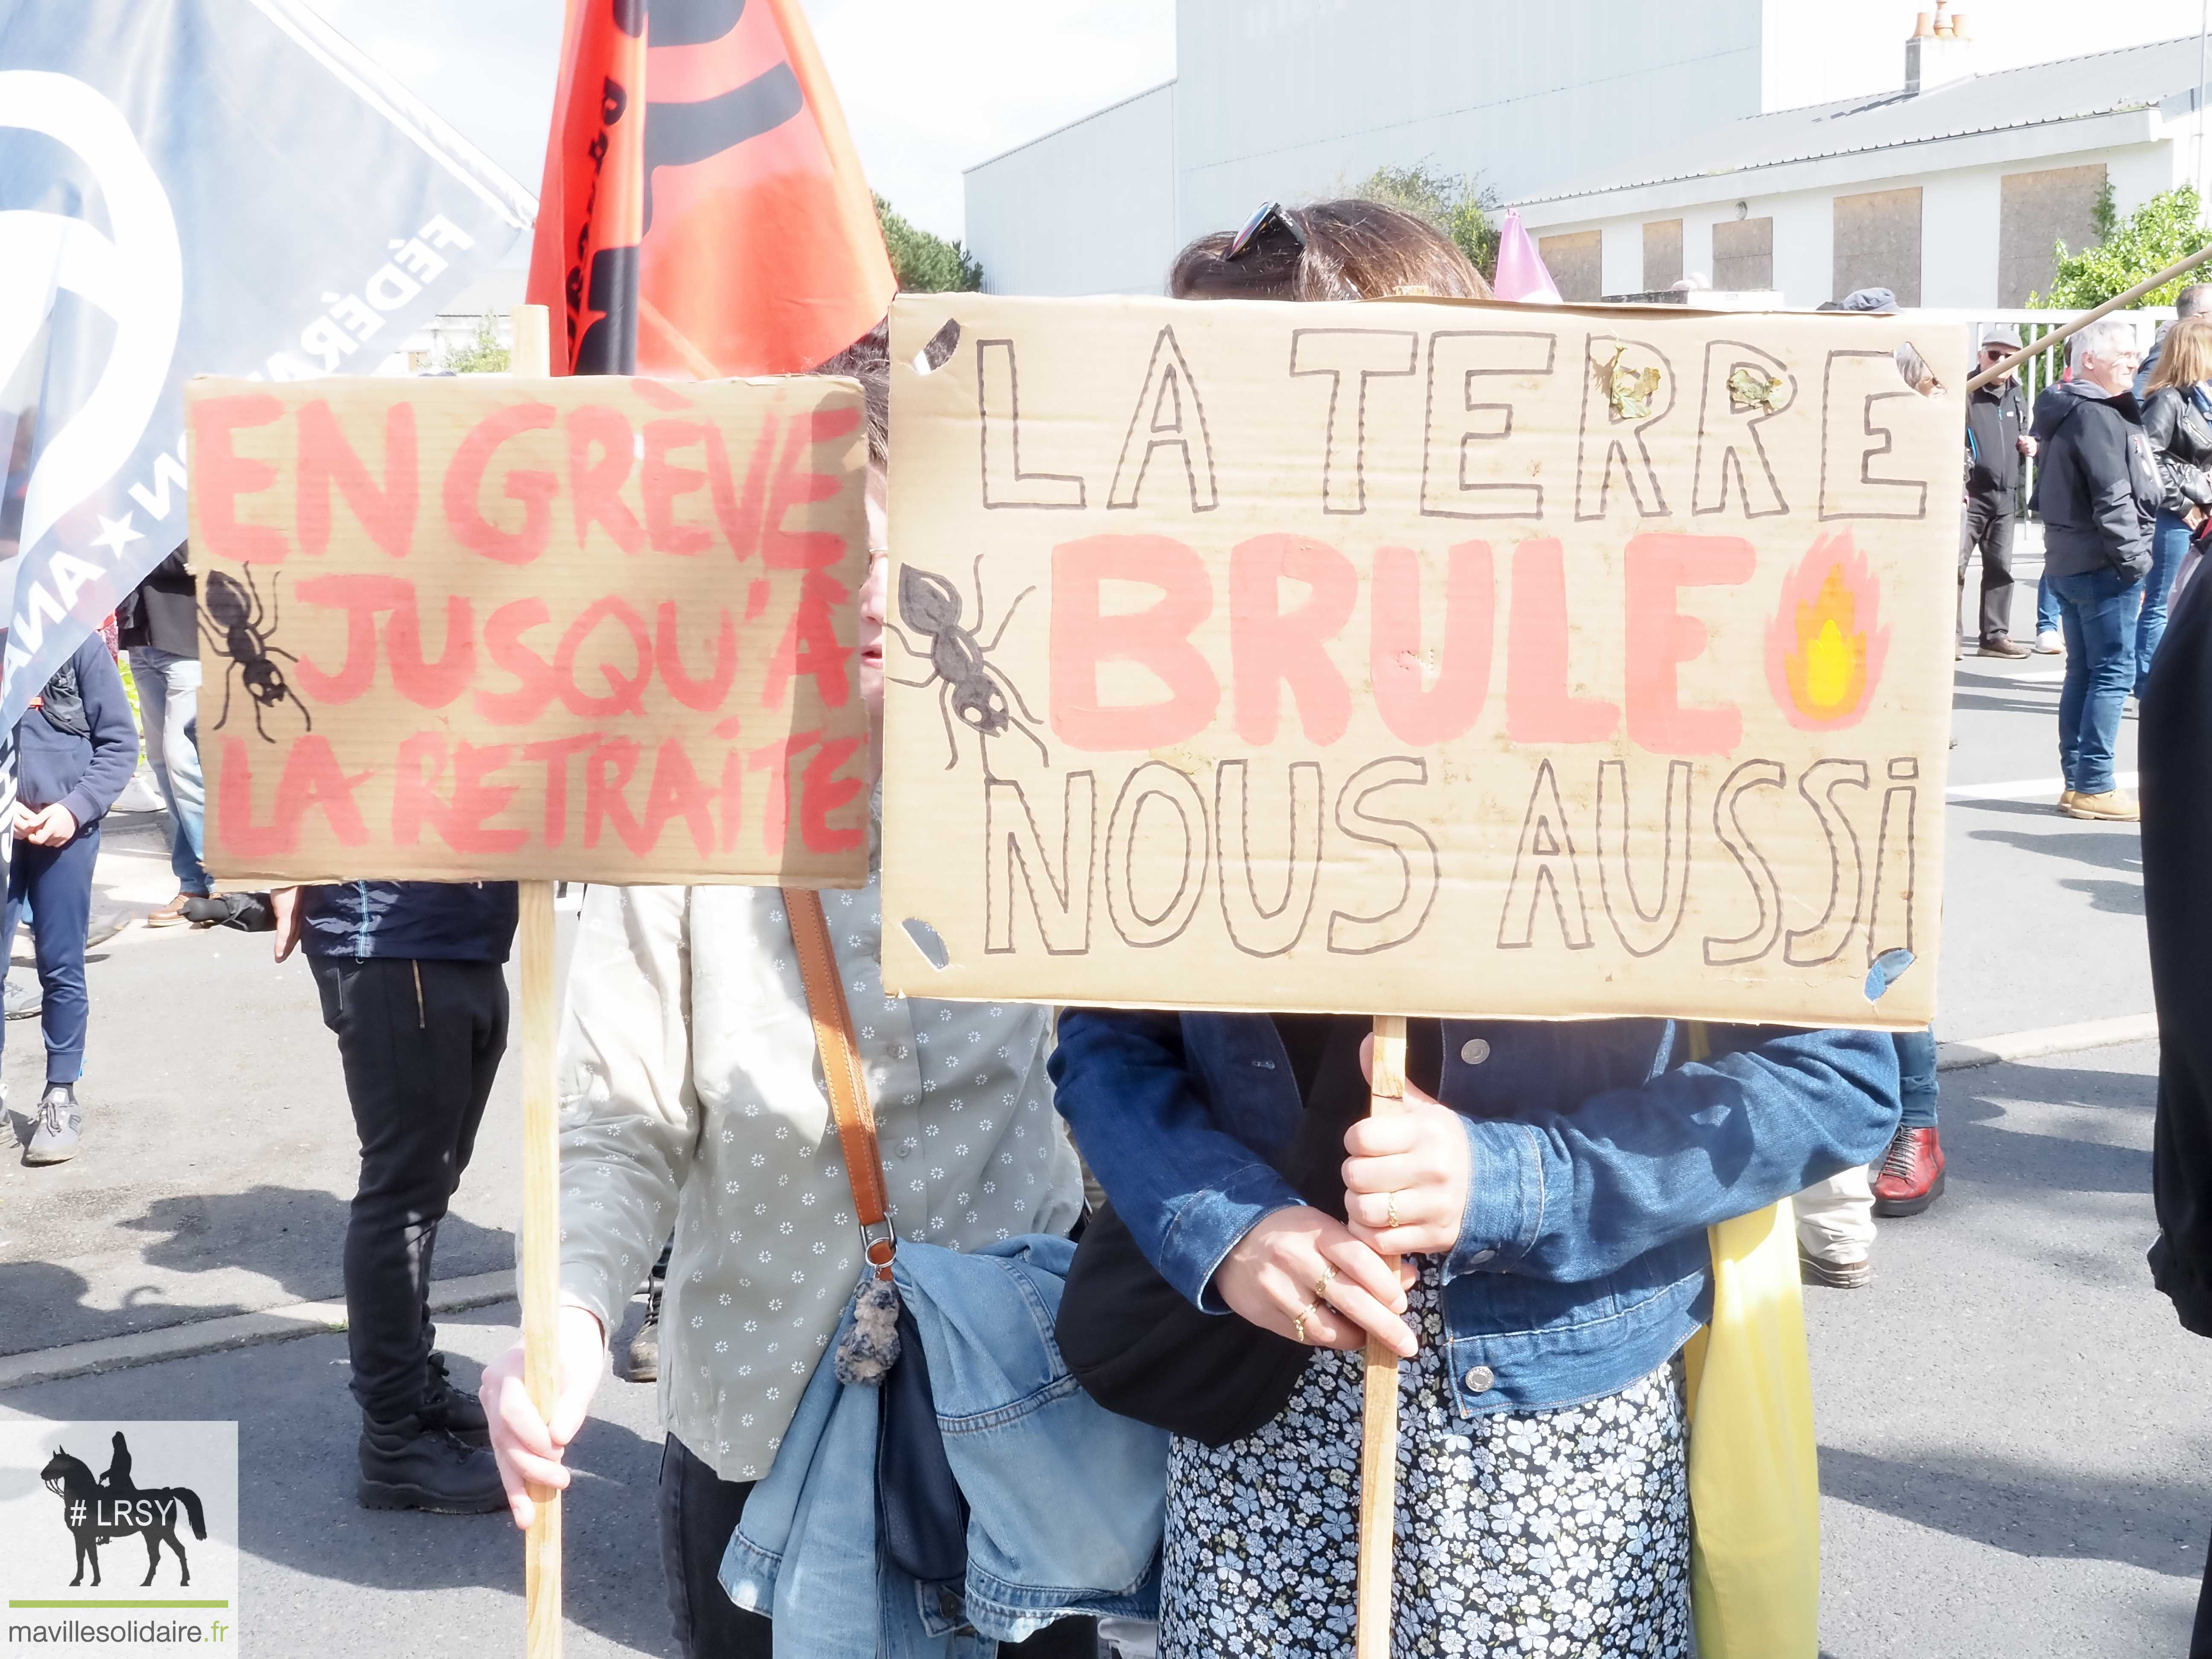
point(2097, 489)
point(74, 750)
point(1997, 440)
point(413, 984)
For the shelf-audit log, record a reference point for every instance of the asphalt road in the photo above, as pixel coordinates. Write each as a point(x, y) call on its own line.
point(2016, 1442)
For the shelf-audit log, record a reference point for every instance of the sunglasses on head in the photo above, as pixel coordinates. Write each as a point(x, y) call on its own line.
point(1268, 216)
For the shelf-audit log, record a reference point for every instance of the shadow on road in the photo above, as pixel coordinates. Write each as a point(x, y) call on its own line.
point(2027, 1509)
point(291, 1235)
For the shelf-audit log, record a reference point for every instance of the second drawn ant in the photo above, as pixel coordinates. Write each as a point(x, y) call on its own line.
point(241, 632)
point(975, 689)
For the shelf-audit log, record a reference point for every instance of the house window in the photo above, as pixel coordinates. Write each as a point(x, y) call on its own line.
point(2036, 210)
point(1877, 244)
point(1574, 262)
point(1663, 254)
point(1743, 254)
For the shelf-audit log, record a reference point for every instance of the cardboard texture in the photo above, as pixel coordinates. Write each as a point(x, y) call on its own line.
point(1419, 657)
point(476, 628)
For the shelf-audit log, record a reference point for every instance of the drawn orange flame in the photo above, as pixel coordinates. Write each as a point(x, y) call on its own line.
point(1825, 645)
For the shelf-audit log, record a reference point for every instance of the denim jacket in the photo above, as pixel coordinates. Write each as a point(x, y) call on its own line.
point(1582, 1262)
point(1066, 1500)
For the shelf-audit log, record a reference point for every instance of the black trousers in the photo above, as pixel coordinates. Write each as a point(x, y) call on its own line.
point(420, 1043)
point(699, 1510)
point(1988, 525)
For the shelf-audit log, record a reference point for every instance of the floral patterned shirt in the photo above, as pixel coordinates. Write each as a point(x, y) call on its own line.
point(691, 1097)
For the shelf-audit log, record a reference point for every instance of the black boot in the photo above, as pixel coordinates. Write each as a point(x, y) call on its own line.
point(456, 1411)
point(405, 1464)
point(644, 1347)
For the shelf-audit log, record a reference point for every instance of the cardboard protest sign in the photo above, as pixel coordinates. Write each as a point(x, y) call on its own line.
point(1421, 659)
point(593, 629)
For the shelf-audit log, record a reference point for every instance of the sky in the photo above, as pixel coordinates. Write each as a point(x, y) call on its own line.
point(929, 87)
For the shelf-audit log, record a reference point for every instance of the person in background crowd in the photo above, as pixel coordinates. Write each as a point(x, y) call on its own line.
point(1910, 1176)
point(1546, 1182)
point(2176, 419)
point(75, 747)
point(2097, 488)
point(413, 985)
point(1835, 1229)
point(1997, 441)
point(2190, 301)
point(159, 625)
point(691, 1090)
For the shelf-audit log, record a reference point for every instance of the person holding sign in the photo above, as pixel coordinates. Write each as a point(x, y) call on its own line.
point(689, 1090)
point(1549, 1186)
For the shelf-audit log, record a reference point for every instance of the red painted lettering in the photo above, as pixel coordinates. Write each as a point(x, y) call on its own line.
point(606, 774)
point(666, 484)
point(626, 693)
point(555, 753)
point(821, 792)
point(1417, 712)
point(1158, 639)
point(1270, 648)
point(595, 486)
point(810, 647)
point(461, 822)
point(676, 793)
point(464, 487)
point(702, 694)
point(385, 511)
point(796, 486)
point(360, 597)
point(739, 516)
point(1660, 639)
point(312, 778)
point(221, 476)
point(1538, 706)
point(535, 680)
point(431, 684)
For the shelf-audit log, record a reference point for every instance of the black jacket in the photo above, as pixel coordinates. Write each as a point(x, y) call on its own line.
point(78, 744)
point(2174, 744)
point(163, 611)
point(2181, 438)
point(2096, 483)
point(1996, 416)
point(425, 921)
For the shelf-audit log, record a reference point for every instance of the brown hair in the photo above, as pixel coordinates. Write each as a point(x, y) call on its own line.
point(1355, 249)
point(2184, 356)
point(868, 360)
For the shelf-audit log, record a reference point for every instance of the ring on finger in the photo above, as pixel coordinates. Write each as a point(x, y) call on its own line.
point(1390, 1210)
point(1298, 1324)
point(1320, 1285)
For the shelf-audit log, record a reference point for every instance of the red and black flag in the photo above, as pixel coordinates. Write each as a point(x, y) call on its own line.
point(703, 214)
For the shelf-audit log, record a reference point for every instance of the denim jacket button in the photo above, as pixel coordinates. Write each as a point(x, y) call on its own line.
point(948, 1604)
point(1479, 1380)
point(1479, 1257)
point(1475, 1051)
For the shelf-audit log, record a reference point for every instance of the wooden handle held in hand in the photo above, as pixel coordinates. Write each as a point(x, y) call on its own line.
point(536, 1035)
point(1378, 1443)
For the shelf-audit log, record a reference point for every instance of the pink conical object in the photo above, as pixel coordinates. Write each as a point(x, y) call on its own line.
point(1521, 273)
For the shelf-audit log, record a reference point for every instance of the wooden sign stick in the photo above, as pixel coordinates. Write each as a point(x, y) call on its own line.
point(530, 356)
point(1378, 1443)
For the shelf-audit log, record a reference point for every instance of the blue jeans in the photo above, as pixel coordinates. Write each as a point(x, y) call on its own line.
point(2099, 617)
point(59, 880)
point(1915, 1067)
point(2047, 608)
point(2169, 544)
point(168, 702)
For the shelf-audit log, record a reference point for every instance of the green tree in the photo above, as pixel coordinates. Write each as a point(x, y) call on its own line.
point(2165, 229)
point(1455, 203)
point(483, 355)
point(925, 264)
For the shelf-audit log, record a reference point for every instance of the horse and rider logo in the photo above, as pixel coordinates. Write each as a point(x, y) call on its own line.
point(98, 1511)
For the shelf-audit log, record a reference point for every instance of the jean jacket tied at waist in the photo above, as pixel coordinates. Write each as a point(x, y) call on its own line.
point(1597, 1164)
point(1066, 1500)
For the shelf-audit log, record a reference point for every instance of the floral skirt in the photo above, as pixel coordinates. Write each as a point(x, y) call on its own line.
point(1555, 1533)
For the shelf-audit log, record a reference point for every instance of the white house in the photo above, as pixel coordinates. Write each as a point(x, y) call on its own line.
point(1599, 117)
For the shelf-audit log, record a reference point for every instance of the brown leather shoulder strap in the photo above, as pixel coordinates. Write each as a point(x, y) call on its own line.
point(841, 1076)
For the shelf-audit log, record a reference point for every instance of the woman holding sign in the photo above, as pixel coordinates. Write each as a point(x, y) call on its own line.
point(1549, 1186)
point(690, 1097)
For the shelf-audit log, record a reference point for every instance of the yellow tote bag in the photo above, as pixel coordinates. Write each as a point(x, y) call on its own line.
point(1754, 1479)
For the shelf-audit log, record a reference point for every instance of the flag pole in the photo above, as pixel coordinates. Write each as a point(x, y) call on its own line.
point(2179, 267)
point(1378, 1443)
point(530, 356)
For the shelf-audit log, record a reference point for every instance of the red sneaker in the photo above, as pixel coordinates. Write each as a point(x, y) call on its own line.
point(1910, 1177)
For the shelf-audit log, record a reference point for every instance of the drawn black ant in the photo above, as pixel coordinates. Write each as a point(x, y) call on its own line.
point(931, 605)
point(242, 633)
